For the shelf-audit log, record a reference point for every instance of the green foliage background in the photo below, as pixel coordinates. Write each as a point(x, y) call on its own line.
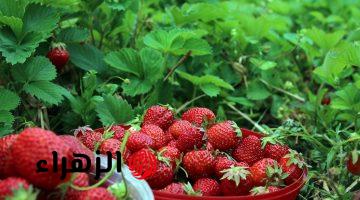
point(265, 64)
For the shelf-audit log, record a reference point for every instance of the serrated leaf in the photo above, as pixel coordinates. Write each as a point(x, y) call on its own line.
point(18, 51)
point(87, 57)
point(197, 46)
point(6, 117)
point(35, 69)
point(74, 34)
point(15, 8)
point(165, 41)
point(8, 100)
point(210, 89)
point(114, 110)
point(257, 91)
point(14, 23)
point(136, 87)
point(46, 91)
point(39, 18)
point(263, 64)
point(152, 61)
point(347, 99)
point(126, 60)
point(241, 100)
point(324, 40)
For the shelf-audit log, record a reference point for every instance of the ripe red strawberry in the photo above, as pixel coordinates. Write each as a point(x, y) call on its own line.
point(267, 171)
point(156, 134)
point(198, 116)
point(186, 136)
point(198, 163)
point(6, 169)
point(8, 185)
point(58, 55)
point(249, 150)
point(34, 144)
point(236, 180)
point(161, 116)
point(264, 190)
point(222, 163)
point(111, 145)
point(77, 147)
point(353, 165)
point(326, 101)
point(138, 140)
point(91, 139)
point(80, 180)
point(224, 135)
point(174, 188)
point(209, 147)
point(275, 151)
point(142, 163)
point(119, 132)
point(207, 187)
point(99, 193)
point(163, 176)
point(170, 155)
point(293, 165)
point(172, 143)
point(180, 126)
point(81, 131)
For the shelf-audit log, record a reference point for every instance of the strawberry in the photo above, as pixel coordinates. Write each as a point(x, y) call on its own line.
point(172, 143)
point(178, 127)
point(80, 180)
point(91, 139)
point(174, 188)
point(137, 141)
point(58, 55)
point(156, 134)
point(273, 147)
point(236, 180)
point(170, 155)
point(186, 137)
point(161, 116)
point(99, 193)
point(249, 150)
point(293, 165)
point(110, 145)
point(34, 144)
point(163, 176)
point(142, 163)
point(77, 147)
point(119, 131)
point(198, 116)
point(353, 164)
point(326, 101)
point(224, 135)
point(267, 171)
point(6, 170)
point(10, 184)
point(207, 187)
point(264, 190)
point(198, 163)
point(81, 131)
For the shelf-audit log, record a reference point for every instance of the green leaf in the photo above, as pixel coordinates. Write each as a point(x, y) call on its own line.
point(165, 41)
point(6, 117)
point(324, 40)
point(136, 87)
point(241, 100)
point(46, 91)
point(126, 60)
point(347, 99)
point(87, 57)
point(114, 110)
point(18, 51)
point(74, 34)
point(210, 89)
point(39, 18)
point(14, 23)
point(8, 100)
point(257, 91)
point(13, 8)
point(153, 66)
point(35, 69)
point(196, 46)
point(263, 64)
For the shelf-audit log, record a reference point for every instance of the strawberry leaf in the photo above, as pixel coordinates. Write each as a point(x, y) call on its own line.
point(114, 110)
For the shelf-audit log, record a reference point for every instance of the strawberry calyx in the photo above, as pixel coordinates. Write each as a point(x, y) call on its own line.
point(259, 190)
point(295, 158)
point(275, 175)
point(235, 173)
point(58, 45)
point(355, 156)
point(82, 130)
point(22, 193)
point(273, 139)
point(236, 129)
point(190, 190)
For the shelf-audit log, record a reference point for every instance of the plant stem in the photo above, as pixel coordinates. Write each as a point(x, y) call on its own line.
point(283, 91)
point(245, 116)
point(188, 102)
point(182, 59)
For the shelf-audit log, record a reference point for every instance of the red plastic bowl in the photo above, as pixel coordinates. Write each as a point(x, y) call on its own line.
point(290, 192)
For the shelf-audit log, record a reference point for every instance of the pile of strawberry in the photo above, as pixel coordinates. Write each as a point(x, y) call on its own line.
point(217, 159)
point(19, 179)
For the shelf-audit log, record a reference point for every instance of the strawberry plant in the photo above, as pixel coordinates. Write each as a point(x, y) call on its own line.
point(288, 69)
